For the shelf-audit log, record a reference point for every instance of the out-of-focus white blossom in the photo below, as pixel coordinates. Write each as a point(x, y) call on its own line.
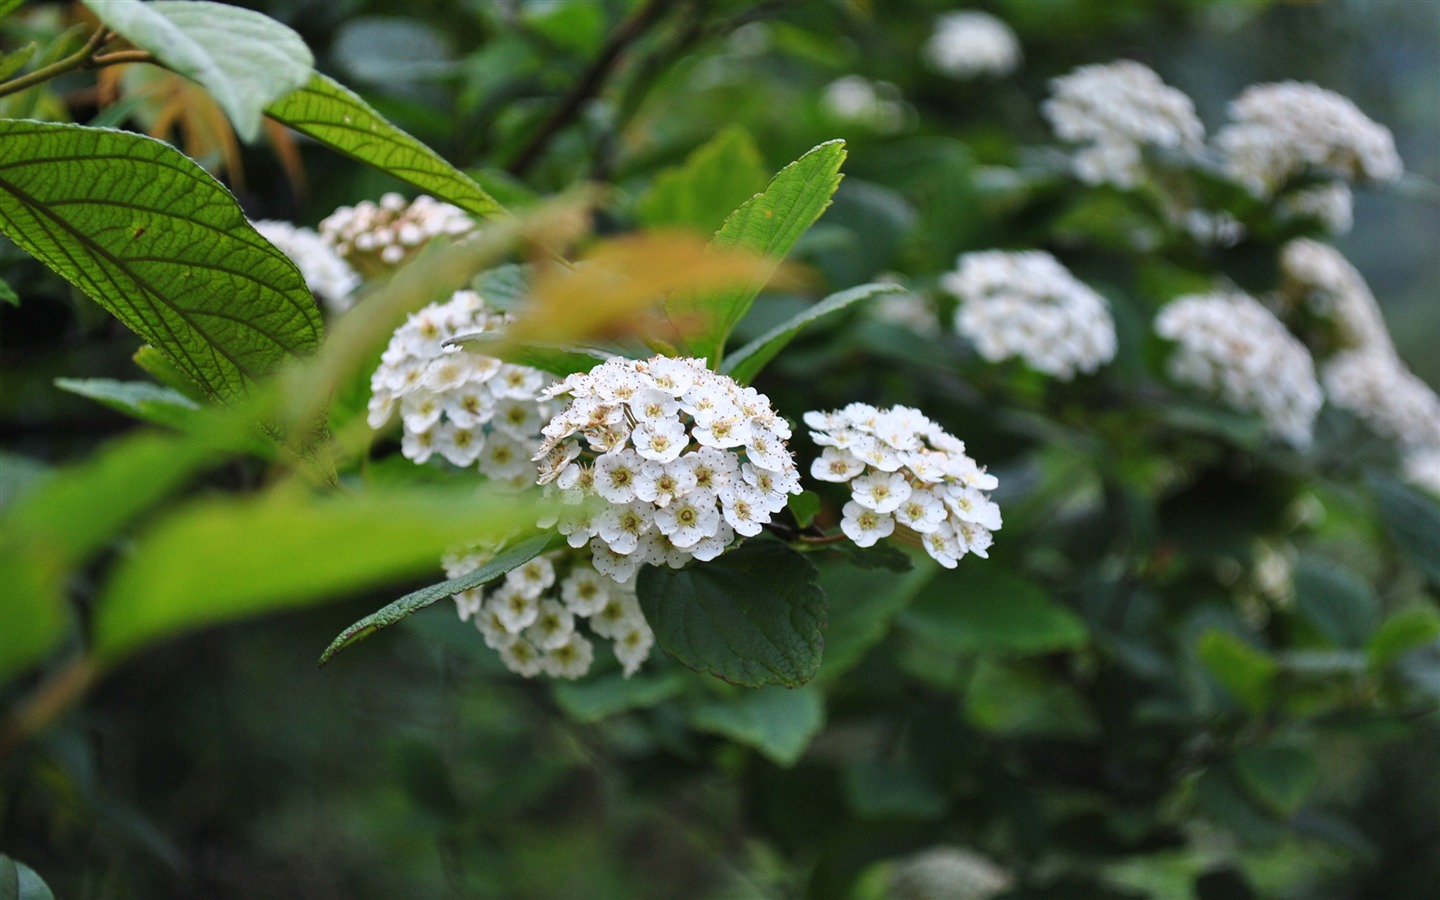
point(661, 461)
point(465, 406)
point(947, 873)
point(1115, 111)
point(1421, 468)
point(1274, 572)
point(533, 616)
point(1214, 229)
point(875, 104)
point(970, 43)
point(1235, 348)
point(1332, 205)
point(904, 470)
point(326, 275)
point(1374, 385)
point(1332, 289)
point(1028, 305)
point(377, 237)
point(912, 311)
point(1282, 130)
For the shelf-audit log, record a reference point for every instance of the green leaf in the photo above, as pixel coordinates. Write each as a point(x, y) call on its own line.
point(244, 59)
point(1018, 697)
point(140, 399)
point(752, 617)
point(504, 288)
point(1222, 798)
point(744, 364)
point(984, 608)
point(17, 880)
point(557, 359)
point(1247, 673)
point(8, 295)
point(11, 63)
point(884, 791)
point(1402, 632)
point(769, 224)
point(337, 118)
point(216, 560)
point(1336, 600)
point(1413, 520)
point(1279, 778)
point(804, 506)
point(716, 178)
point(777, 721)
point(158, 242)
point(158, 366)
point(33, 614)
point(862, 604)
point(510, 558)
point(607, 695)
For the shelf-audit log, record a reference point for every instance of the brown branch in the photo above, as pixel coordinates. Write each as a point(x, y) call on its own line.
point(591, 81)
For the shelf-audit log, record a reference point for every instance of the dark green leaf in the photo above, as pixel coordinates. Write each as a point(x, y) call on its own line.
point(1018, 697)
point(1279, 778)
point(804, 506)
point(716, 178)
point(12, 63)
point(884, 791)
point(744, 364)
point(1222, 799)
point(880, 556)
point(1413, 520)
point(411, 603)
point(244, 59)
point(980, 607)
point(769, 224)
point(8, 295)
point(603, 696)
point(752, 617)
point(158, 242)
point(1336, 601)
point(1402, 632)
point(9, 6)
point(336, 117)
point(862, 604)
point(557, 359)
point(216, 560)
point(145, 401)
point(777, 721)
point(1247, 673)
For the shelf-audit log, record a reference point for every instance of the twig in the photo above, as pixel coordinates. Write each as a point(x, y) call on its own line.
point(589, 84)
point(74, 61)
point(51, 699)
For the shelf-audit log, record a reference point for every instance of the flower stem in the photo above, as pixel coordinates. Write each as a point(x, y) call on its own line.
point(74, 61)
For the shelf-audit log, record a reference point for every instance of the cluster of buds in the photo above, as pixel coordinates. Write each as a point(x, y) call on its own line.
point(661, 461)
point(905, 471)
point(376, 237)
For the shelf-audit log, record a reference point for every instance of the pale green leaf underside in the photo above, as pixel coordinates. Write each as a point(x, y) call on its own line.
point(768, 224)
point(159, 243)
point(147, 402)
point(557, 359)
point(744, 364)
point(244, 59)
point(333, 115)
point(778, 722)
point(517, 555)
point(752, 617)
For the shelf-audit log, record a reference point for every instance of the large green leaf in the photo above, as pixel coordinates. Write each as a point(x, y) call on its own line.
point(778, 722)
point(158, 242)
point(744, 364)
point(510, 558)
point(1279, 777)
point(984, 608)
point(716, 178)
point(1413, 520)
point(140, 399)
point(1336, 601)
point(216, 560)
point(602, 696)
point(1406, 630)
point(768, 224)
point(336, 117)
point(1247, 673)
point(752, 617)
point(244, 59)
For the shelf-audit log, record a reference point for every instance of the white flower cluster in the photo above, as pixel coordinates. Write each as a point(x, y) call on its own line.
point(376, 237)
point(1374, 385)
point(1331, 205)
point(532, 617)
point(661, 461)
point(904, 470)
point(327, 275)
point(1116, 110)
point(465, 406)
point(969, 44)
point(1232, 346)
point(876, 104)
point(1332, 289)
point(1028, 305)
point(1285, 129)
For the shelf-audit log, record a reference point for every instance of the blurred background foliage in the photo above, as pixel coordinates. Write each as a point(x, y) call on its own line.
point(1111, 707)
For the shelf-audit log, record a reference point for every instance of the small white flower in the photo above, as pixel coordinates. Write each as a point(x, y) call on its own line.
point(689, 519)
point(836, 465)
point(585, 591)
point(620, 613)
point(616, 475)
point(569, 660)
point(632, 645)
point(880, 491)
point(532, 578)
point(521, 657)
point(744, 508)
point(660, 483)
point(921, 512)
point(326, 274)
point(553, 626)
point(970, 43)
point(621, 527)
point(865, 526)
point(515, 609)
